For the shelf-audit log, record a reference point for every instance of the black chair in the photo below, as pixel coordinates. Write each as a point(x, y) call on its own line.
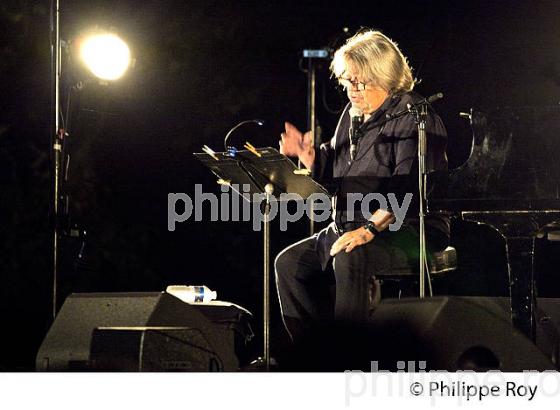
point(404, 279)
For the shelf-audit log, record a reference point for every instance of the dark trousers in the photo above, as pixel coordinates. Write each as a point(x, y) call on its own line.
point(305, 288)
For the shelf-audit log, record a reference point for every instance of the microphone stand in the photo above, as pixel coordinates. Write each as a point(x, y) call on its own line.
point(420, 113)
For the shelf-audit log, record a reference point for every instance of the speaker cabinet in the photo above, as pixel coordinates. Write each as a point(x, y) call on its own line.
point(456, 333)
point(152, 349)
point(98, 331)
point(440, 333)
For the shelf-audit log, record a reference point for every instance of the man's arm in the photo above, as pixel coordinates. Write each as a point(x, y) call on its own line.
point(319, 160)
point(294, 143)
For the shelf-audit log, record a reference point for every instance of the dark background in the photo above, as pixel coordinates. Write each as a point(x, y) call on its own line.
point(201, 67)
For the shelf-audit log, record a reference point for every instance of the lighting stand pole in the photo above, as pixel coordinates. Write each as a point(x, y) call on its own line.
point(312, 57)
point(311, 121)
point(57, 142)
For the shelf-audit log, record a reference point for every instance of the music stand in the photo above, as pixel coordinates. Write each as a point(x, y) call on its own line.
point(269, 174)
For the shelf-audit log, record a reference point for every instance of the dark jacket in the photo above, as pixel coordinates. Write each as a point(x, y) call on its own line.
point(386, 162)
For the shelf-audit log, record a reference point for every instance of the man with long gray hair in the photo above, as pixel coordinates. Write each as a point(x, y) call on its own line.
point(364, 157)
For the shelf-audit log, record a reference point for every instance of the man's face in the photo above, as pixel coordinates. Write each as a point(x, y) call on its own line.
point(363, 94)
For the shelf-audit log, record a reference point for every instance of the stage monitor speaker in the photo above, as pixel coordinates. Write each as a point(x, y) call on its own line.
point(171, 334)
point(152, 349)
point(440, 333)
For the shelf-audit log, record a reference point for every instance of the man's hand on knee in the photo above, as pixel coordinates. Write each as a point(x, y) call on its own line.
point(351, 240)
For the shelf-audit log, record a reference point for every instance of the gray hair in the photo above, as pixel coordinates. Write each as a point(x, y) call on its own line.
point(378, 59)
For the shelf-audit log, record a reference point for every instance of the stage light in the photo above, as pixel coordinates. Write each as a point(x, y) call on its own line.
point(106, 55)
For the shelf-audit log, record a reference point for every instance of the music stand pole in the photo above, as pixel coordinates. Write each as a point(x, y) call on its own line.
point(269, 189)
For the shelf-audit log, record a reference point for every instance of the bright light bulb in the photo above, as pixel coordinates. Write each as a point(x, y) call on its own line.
point(106, 56)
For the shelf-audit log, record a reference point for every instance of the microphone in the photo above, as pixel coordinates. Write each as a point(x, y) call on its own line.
point(356, 121)
point(256, 121)
point(434, 98)
point(410, 107)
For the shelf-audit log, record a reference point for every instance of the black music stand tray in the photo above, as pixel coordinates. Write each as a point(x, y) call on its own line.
point(269, 174)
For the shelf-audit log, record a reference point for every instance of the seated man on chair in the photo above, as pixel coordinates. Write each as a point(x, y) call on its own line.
point(358, 246)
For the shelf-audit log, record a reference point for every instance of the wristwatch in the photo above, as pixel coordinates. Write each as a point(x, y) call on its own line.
point(370, 226)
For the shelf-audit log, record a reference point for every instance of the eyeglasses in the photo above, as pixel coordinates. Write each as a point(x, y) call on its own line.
point(348, 83)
